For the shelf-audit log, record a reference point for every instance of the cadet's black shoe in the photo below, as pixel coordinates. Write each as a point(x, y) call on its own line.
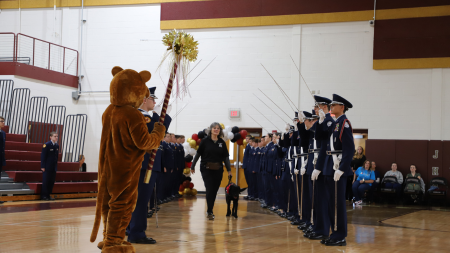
point(303, 226)
point(333, 242)
point(251, 198)
point(1, 202)
point(160, 202)
point(323, 241)
point(45, 199)
point(292, 218)
point(210, 216)
point(307, 229)
point(295, 223)
point(149, 215)
point(283, 215)
point(314, 236)
point(51, 199)
point(264, 206)
point(246, 197)
point(144, 240)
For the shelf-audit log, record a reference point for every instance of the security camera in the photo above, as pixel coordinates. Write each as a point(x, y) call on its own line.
point(371, 22)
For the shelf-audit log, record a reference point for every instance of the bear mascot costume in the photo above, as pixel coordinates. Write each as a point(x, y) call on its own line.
point(123, 144)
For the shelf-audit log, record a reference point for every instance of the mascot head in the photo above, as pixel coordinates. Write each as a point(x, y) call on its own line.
point(128, 87)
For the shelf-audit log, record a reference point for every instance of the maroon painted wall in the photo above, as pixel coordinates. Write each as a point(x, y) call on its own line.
point(407, 152)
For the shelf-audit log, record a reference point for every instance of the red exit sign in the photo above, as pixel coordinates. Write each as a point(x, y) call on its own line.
point(235, 113)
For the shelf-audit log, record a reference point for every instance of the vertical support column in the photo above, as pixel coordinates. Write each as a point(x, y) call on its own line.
point(237, 162)
point(436, 119)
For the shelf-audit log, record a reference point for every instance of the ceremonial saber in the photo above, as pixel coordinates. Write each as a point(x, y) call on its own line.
point(312, 202)
point(273, 102)
point(161, 120)
point(301, 200)
point(298, 201)
point(266, 118)
point(281, 89)
point(156, 207)
point(303, 78)
point(289, 200)
point(268, 107)
point(335, 205)
point(257, 122)
point(198, 74)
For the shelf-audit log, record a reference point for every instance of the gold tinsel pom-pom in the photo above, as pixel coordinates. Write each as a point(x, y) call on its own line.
point(184, 45)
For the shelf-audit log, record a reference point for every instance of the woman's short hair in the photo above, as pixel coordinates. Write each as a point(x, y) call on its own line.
point(214, 124)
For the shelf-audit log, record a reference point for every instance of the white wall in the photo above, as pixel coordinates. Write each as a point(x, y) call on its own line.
point(333, 58)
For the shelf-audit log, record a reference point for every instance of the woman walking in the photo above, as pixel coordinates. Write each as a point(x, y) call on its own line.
point(213, 152)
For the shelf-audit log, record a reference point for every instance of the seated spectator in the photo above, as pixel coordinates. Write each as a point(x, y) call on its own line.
point(82, 163)
point(377, 179)
point(413, 173)
point(363, 179)
point(395, 173)
point(358, 160)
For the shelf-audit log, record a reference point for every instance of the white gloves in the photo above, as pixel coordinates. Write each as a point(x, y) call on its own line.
point(282, 136)
point(296, 171)
point(292, 178)
point(157, 109)
point(301, 117)
point(287, 127)
point(302, 171)
point(295, 127)
point(315, 174)
point(169, 108)
point(338, 174)
point(321, 116)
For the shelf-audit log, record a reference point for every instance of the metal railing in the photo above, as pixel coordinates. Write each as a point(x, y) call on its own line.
point(7, 45)
point(72, 145)
point(39, 53)
point(6, 90)
point(18, 111)
point(36, 118)
point(44, 54)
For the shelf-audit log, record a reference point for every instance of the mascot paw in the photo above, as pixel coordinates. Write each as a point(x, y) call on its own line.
point(101, 244)
point(124, 248)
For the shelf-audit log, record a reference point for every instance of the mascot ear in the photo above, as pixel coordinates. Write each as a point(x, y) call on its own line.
point(145, 75)
point(116, 70)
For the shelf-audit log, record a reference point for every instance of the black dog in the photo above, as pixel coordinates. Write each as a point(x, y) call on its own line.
point(232, 194)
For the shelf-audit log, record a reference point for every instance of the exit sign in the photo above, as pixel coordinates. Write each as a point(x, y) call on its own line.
point(234, 113)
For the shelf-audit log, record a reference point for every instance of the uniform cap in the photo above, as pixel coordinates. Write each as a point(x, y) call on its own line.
point(338, 100)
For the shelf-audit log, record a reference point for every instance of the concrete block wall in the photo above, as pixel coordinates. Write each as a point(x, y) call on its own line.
point(333, 58)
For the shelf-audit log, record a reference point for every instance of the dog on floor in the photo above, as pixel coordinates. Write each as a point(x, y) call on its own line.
point(232, 192)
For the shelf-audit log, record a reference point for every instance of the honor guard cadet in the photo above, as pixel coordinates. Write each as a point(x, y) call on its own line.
point(318, 203)
point(245, 165)
point(262, 161)
point(138, 222)
point(336, 169)
point(313, 152)
point(168, 162)
point(49, 166)
point(305, 197)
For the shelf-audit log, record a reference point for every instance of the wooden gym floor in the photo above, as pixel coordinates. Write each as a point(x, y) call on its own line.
point(65, 226)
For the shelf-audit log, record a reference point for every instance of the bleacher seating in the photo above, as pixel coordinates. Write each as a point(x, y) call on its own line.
point(22, 173)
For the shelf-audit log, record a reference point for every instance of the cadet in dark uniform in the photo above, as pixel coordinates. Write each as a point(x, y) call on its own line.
point(336, 169)
point(246, 165)
point(315, 166)
point(168, 165)
point(49, 166)
point(2, 146)
point(138, 222)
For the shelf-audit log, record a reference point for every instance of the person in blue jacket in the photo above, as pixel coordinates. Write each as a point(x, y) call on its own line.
point(138, 223)
point(252, 169)
point(364, 178)
point(336, 168)
point(49, 166)
point(2, 146)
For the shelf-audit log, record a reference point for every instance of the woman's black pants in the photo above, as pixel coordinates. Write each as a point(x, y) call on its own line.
point(212, 179)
